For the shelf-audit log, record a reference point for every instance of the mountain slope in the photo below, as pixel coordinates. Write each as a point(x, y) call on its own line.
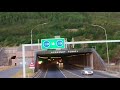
point(15, 28)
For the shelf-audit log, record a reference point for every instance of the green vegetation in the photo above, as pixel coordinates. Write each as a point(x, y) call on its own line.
point(19, 74)
point(15, 28)
point(3, 68)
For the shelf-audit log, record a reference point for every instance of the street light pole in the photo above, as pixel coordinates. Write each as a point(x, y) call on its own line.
point(31, 33)
point(106, 39)
point(107, 51)
point(32, 37)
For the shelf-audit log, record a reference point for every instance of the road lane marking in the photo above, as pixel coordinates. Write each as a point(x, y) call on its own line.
point(100, 76)
point(73, 73)
point(46, 73)
point(62, 73)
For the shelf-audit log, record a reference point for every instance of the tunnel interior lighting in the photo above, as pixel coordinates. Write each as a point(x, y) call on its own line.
point(40, 62)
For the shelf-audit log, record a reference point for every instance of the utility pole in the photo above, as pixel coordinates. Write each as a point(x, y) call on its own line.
point(32, 37)
point(106, 42)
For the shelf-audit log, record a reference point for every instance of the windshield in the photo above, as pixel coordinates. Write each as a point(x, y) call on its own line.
point(87, 68)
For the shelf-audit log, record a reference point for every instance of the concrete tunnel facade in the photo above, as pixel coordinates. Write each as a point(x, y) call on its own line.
point(84, 57)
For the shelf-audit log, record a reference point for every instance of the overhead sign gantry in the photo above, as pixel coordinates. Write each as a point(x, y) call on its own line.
point(56, 43)
point(61, 45)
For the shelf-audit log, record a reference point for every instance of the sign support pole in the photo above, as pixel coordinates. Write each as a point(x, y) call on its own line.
point(23, 55)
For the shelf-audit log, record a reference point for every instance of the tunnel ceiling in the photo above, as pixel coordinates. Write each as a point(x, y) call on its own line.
point(63, 52)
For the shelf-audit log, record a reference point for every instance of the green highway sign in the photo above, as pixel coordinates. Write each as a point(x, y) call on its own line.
point(55, 43)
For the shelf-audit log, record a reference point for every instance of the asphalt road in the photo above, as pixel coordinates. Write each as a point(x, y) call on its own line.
point(69, 71)
point(10, 72)
point(96, 74)
point(51, 72)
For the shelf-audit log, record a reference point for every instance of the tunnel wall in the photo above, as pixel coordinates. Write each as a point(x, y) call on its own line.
point(92, 60)
point(80, 60)
point(89, 58)
point(98, 62)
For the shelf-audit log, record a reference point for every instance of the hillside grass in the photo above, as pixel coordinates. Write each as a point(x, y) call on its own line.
point(3, 68)
point(15, 28)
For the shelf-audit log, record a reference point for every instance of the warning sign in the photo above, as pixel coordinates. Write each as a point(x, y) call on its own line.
point(31, 66)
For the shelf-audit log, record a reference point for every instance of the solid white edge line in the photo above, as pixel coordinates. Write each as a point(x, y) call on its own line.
point(46, 73)
point(95, 74)
point(100, 76)
point(73, 73)
point(62, 73)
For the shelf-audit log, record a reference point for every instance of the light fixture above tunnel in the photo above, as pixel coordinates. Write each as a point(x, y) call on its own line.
point(72, 51)
point(58, 52)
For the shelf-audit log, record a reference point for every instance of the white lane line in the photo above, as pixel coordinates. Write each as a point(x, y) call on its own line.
point(100, 76)
point(94, 74)
point(62, 73)
point(46, 73)
point(73, 73)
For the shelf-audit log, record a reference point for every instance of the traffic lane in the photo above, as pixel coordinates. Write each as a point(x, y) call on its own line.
point(98, 74)
point(10, 72)
point(104, 75)
point(77, 71)
point(95, 74)
point(74, 70)
point(43, 72)
point(54, 72)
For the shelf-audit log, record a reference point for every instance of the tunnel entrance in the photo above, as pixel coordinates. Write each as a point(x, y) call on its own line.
point(13, 57)
point(12, 61)
point(84, 57)
point(78, 57)
point(82, 60)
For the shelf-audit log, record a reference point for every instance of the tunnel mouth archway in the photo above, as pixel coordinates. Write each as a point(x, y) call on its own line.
point(13, 57)
point(12, 61)
point(84, 57)
point(63, 52)
point(68, 56)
